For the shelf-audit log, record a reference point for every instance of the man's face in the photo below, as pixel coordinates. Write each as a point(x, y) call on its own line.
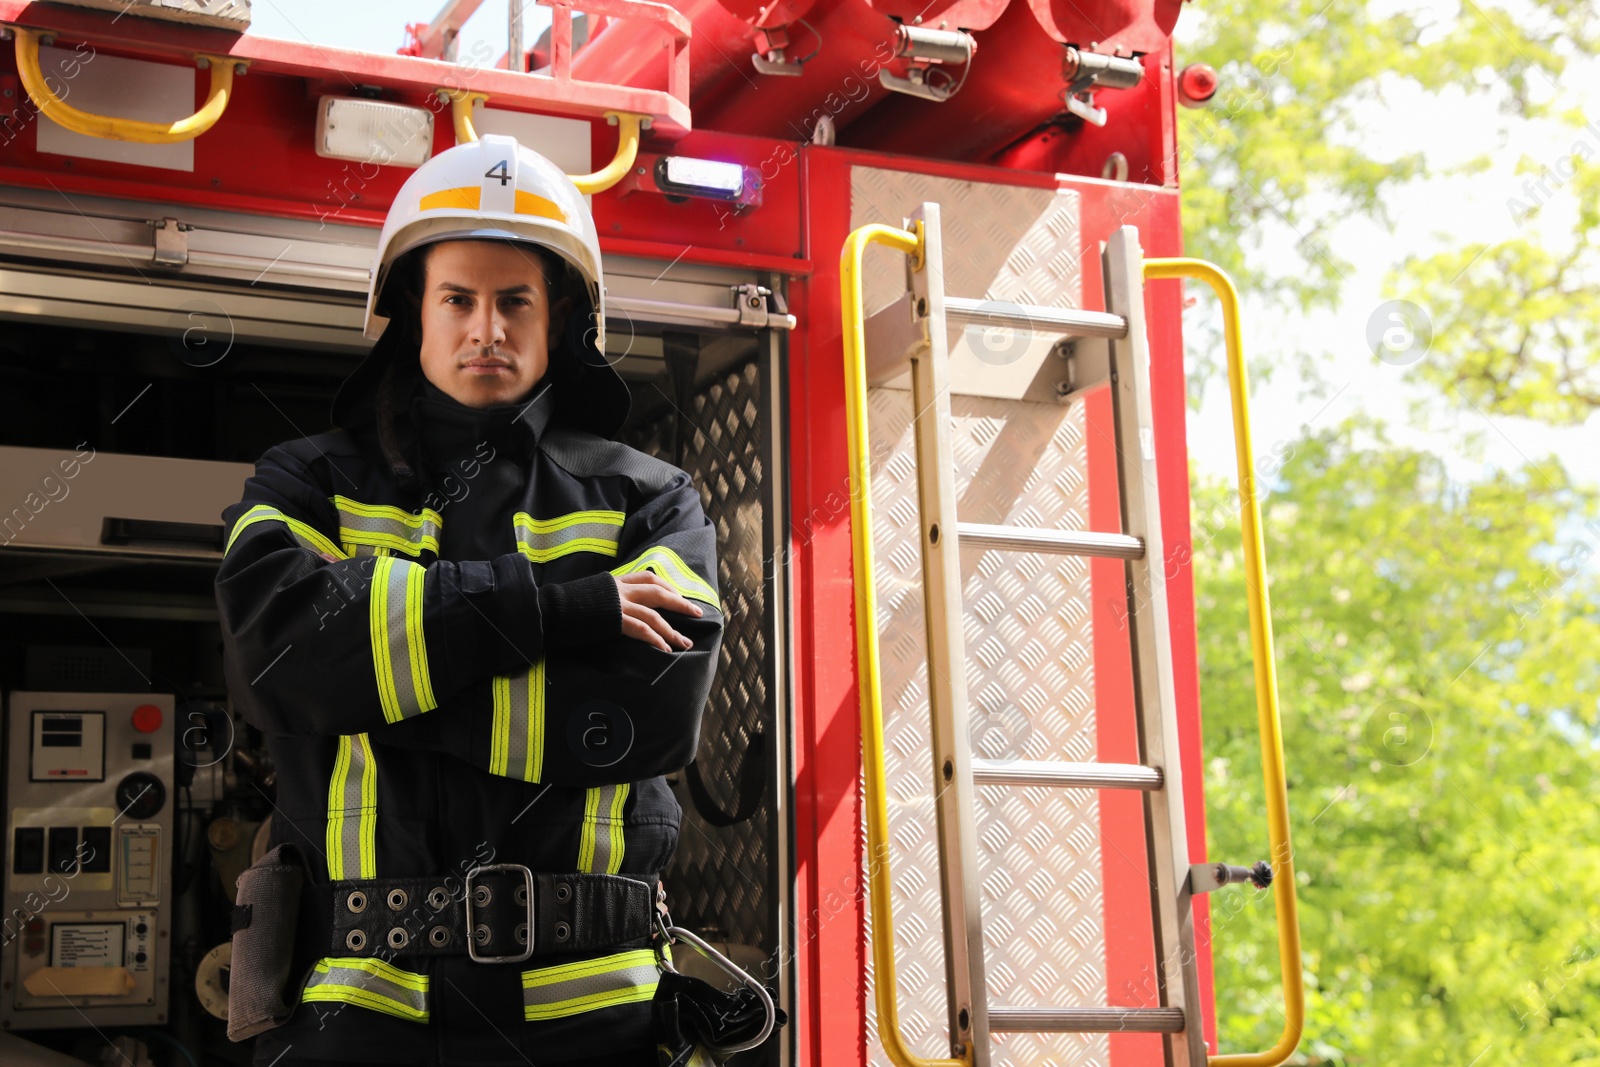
point(487, 323)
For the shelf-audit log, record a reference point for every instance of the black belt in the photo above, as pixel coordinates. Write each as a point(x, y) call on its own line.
point(500, 913)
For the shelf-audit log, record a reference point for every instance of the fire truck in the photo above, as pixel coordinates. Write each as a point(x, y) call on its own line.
point(898, 284)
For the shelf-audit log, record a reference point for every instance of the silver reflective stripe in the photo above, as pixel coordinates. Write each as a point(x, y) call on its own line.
point(600, 844)
point(369, 983)
point(382, 526)
point(399, 652)
point(573, 988)
point(542, 540)
point(517, 737)
point(353, 810)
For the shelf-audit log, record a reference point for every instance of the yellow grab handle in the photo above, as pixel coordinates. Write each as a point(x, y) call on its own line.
point(114, 129)
point(627, 151)
point(885, 982)
point(461, 101)
point(1266, 676)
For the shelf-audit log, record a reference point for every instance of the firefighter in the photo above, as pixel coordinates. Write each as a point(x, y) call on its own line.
point(475, 632)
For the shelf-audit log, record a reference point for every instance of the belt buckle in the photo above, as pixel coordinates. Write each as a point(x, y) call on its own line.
point(472, 926)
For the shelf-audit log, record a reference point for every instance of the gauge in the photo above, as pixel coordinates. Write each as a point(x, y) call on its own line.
point(140, 795)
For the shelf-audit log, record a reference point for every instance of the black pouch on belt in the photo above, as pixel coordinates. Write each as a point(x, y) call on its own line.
point(689, 1013)
point(264, 916)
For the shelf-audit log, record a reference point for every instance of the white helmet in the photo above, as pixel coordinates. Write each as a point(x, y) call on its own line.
point(491, 187)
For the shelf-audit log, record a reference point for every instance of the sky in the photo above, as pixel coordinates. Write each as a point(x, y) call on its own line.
point(1346, 378)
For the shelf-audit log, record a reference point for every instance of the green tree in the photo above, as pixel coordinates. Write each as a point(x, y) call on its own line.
point(1280, 151)
point(1517, 325)
point(1441, 698)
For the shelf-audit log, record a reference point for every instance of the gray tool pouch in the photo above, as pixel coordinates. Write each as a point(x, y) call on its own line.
point(264, 916)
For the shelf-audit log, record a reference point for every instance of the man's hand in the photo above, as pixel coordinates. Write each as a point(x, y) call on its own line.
point(642, 593)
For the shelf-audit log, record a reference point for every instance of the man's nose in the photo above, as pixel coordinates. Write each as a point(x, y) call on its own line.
point(488, 327)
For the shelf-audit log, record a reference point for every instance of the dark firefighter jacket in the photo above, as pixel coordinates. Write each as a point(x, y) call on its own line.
point(441, 678)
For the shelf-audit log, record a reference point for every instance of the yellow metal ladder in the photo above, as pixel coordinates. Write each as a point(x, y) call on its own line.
point(914, 329)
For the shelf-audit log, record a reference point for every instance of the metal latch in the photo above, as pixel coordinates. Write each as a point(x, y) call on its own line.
point(171, 246)
point(752, 303)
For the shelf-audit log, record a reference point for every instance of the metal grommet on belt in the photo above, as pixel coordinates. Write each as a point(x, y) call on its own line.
point(355, 940)
point(438, 898)
point(398, 938)
point(563, 892)
point(481, 895)
point(522, 933)
point(563, 931)
point(398, 899)
point(356, 901)
point(439, 937)
point(520, 895)
point(480, 934)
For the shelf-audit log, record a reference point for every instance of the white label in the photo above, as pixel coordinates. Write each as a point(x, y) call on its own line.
point(86, 944)
point(121, 88)
point(138, 864)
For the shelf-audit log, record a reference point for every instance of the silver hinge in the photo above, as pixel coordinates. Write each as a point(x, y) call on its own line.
point(171, 246)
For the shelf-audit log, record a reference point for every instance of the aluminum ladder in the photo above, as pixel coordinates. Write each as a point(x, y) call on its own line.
point(914, 329)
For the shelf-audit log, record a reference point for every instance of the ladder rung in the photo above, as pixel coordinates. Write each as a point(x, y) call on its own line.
point(1051, 772)
point(1065, 542)
point(1086, 1020)
point(1035, 318)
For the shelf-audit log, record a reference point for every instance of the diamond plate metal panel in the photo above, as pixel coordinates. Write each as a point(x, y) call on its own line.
point(1028, 637)
point(1014, 244)
point(720, 882)
point(1006, 246)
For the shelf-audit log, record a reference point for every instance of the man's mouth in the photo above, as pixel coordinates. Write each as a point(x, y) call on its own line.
point(486, 364)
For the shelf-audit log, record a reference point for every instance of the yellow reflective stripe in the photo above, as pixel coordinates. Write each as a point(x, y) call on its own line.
point(500, 728)
point(421, 684)
point(543, 540)
point(353, 810)
point(369, 983)
point(516, 739)
point(526, 203)
point(308, 536)
point(573, 988)
point(462, 196)
point(669, 565)
point(534, 761)
point(601, 841)
point(399, 650)
point(383, 526)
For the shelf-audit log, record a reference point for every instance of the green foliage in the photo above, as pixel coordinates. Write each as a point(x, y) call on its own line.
point(1441, 703)
point(1280, 153)
point(1517, 326)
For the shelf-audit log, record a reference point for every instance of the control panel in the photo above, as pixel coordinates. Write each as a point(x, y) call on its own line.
point(89, 817)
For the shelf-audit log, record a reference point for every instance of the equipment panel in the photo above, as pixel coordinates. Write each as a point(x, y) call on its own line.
point(87, 881)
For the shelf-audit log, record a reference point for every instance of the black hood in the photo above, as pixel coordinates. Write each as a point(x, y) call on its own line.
point(376, 399)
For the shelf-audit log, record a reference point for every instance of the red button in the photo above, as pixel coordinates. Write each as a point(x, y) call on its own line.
point(147, 718)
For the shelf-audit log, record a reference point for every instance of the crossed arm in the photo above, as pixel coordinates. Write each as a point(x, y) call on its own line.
point(513, 675)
